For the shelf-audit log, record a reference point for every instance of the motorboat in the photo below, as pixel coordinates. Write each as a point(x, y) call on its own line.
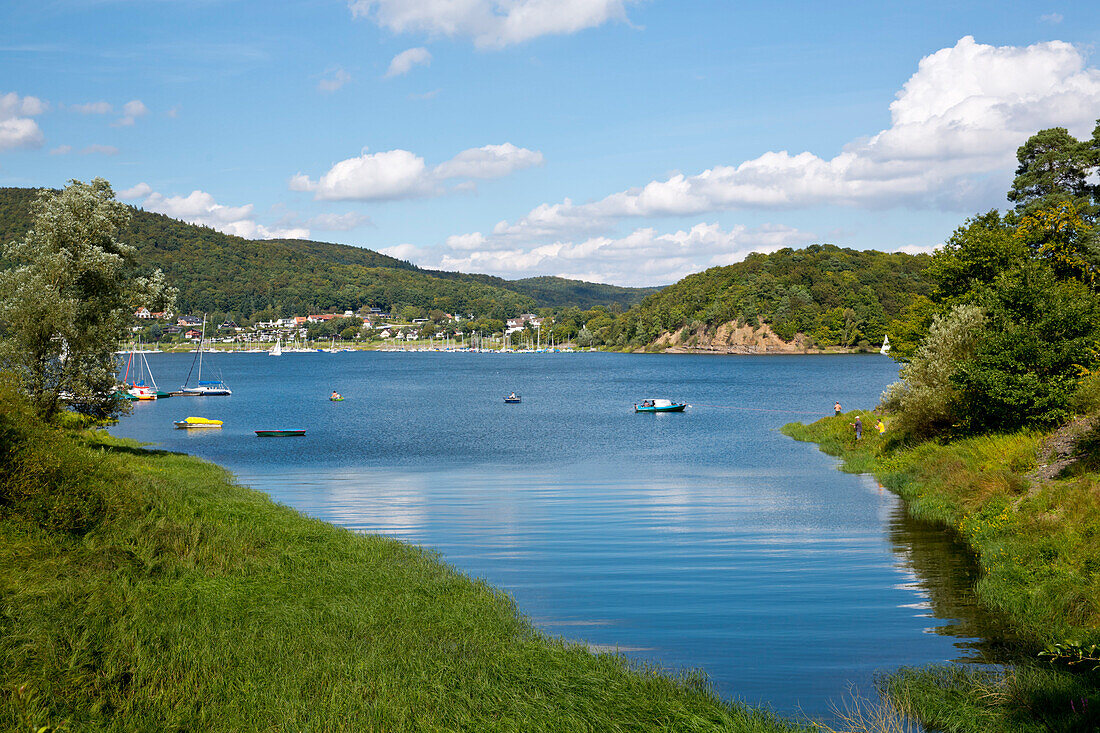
point(513, 398)
point(660, 406)
point(197, 422)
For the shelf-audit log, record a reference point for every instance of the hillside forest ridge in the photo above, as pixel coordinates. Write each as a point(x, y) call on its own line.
point(823, 296)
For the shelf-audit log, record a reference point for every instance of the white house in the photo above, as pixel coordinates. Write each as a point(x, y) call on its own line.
point(517, 324)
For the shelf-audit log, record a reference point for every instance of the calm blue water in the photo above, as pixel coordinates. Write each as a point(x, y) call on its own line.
point(704, 539)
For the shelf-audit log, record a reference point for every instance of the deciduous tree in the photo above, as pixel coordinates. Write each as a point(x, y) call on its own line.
point(67, 301)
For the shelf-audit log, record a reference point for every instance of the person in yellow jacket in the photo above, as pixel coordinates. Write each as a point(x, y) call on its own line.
point(881, 427)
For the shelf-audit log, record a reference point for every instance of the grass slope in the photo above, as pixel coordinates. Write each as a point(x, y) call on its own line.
point(1038, 546)
point(146, 591)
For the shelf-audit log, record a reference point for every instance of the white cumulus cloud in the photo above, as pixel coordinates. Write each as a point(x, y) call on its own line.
point(136, 192)
point(489, 161)
point(200, 207)
point(337, 222)
point(403, 62)
point(400, 174)
point(130, 112)
point(392, 174)
point(333, 80)
point(406, 251)
point(642, 257)
point(472, 241)
point(956, 121)
point(17, 129)
point(490, 23)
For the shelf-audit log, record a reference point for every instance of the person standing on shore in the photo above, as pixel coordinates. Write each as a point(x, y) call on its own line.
point(837, 408)
point(858, 425)
point(881, 427)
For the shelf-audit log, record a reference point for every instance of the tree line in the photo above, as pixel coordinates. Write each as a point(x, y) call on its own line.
point(1013, 339)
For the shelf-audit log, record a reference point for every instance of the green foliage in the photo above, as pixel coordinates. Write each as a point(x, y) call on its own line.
point(1041, 334)
point(925, 401)
point(836, 296)
point(558, 292)
point(1061, 238)
point(1023, 699)
point(219, 272)
point(45, 478)
point(1034, 276)
point(334, 327)
point(1087, 397)
point(67, 297)
point(984, 247)
point(1056, 168)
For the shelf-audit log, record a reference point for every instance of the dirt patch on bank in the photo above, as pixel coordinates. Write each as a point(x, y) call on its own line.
point(1058, 450)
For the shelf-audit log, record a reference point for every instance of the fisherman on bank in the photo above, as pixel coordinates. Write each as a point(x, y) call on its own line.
point(858, 425)
point(837, 408)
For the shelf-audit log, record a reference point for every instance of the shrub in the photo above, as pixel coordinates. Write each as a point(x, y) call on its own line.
point(45, 477)
point(1042, 336)
point(1087, 397)
point(924, 401)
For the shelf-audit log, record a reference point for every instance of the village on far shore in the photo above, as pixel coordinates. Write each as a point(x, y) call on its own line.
point(368, 328)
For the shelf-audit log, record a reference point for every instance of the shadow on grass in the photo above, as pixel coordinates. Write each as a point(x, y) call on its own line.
point(128, 447)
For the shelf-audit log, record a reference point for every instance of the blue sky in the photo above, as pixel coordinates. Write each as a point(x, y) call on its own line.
point(621, 141)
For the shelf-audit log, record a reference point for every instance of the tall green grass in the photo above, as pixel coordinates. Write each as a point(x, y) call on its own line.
point(182, 601)
point(1038, 547)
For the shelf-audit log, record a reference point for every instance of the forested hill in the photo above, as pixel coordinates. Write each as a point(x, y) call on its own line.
point(220, 272)
point(832, 295)
point(559, 292)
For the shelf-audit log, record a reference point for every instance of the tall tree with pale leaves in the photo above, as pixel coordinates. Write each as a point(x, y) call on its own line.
point(67, 300)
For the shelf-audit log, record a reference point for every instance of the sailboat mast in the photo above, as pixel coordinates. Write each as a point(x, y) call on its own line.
point(202, 337)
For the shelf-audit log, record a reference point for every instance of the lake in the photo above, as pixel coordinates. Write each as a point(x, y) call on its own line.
point(704, 539)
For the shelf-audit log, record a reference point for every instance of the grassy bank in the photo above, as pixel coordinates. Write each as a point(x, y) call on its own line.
point(146, 591)
point(1037, 543)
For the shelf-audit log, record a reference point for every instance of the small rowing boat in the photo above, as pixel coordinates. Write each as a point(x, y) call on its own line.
point(279, 433)
point(513, 398)
point(660, 406)
point(198, 422)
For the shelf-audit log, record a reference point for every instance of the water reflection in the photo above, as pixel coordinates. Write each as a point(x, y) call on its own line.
point(943, 572)
point(702, 540)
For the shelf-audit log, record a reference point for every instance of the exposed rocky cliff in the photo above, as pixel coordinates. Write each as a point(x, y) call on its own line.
point(735, 338)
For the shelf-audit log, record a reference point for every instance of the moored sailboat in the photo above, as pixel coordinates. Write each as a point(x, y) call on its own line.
point(207, 388)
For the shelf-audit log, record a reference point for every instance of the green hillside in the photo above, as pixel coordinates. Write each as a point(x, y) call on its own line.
point(219, 272)
point(559, 292)
point(837, 297)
